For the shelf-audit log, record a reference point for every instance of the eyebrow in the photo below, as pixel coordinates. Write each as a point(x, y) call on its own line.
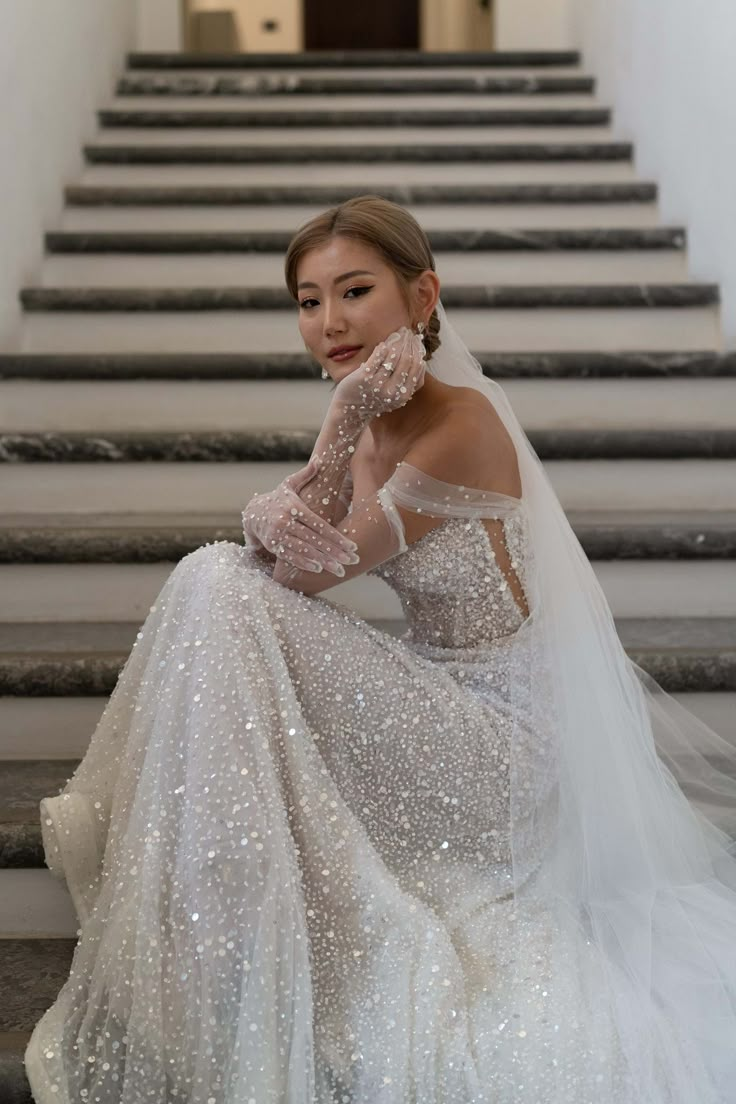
point(337, 280)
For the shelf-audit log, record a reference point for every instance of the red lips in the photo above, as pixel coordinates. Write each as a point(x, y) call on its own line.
point(342, 349)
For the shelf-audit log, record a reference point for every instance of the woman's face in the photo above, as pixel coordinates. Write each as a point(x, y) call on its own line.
point(348, 296)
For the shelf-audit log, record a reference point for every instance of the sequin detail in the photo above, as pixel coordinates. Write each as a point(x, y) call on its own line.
point(305, 828)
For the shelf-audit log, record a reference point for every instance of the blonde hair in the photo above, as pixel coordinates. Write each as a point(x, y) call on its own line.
point(385, 226)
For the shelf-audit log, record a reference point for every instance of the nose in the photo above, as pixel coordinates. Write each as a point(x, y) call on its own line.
point(332, 318)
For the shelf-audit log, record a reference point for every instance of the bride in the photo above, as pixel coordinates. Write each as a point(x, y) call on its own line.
point(488, 861)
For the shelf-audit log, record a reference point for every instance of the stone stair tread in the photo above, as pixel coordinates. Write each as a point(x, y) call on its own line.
point(226, 446)
point(370, 115)
point(601, 239)
point(152, 537)
point(472, 296)
point(278, 87)
point(326, 59)
point(521, 365)
point(14, 1087)
point(358, 152)
point(206, 195)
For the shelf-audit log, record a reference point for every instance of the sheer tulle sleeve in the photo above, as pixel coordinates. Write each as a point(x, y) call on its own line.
point(378, 527)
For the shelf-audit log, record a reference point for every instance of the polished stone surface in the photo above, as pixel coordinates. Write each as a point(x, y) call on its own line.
point(283, 445)
point(269, 366)
point(414, 153)
point(227, 195)
point(352, 117)
point(358, 59)
point(470, 296)
point(271, 84)
point(608, 535)
point(607, 239)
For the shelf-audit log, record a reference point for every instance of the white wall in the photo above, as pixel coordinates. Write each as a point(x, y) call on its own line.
point(58, 61)
point(535, 24)
point(668, 69)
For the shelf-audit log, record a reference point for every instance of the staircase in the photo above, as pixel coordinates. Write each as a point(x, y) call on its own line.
point(161, 381)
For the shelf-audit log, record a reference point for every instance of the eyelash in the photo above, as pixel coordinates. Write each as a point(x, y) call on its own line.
point(358, 288)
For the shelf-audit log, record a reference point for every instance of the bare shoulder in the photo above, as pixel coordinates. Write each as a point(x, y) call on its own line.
point(468, 442)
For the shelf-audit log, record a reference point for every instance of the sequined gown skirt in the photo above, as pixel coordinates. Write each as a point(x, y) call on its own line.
point(287, 849)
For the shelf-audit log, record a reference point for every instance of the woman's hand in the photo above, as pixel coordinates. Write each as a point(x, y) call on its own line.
point(387, 379)
point(284, 525)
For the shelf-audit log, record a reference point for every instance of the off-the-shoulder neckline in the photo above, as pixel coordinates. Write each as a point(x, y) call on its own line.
point(458, 486)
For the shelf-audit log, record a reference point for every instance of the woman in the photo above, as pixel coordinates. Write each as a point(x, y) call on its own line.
point(316, 864)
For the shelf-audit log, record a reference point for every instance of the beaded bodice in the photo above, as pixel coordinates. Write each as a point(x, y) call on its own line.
point(452, 589)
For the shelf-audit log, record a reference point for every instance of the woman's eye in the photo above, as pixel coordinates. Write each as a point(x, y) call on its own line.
point(360, 290)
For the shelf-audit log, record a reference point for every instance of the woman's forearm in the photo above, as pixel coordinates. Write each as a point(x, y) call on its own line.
point(334, 448)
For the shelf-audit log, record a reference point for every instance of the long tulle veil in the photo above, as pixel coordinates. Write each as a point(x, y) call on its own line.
point(622, 825)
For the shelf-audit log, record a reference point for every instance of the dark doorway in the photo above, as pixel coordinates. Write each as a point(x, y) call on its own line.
point(351, 25)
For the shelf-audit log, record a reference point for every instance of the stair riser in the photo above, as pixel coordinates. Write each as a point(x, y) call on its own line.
point(124, 592)
point(254, 405)
point(195, 488)
point(499, 329)
point(60, 728)
point(397, 137)
point(249, 270)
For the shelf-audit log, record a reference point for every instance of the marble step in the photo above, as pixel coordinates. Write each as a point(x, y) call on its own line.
point(265, 416)
point(422, 195)
point(458, 296)
point(151, 538)
point(455, 241)
point(14, 1087)
point(381, 86)
point(106, 538)
point(116, 258)
point(232, 445)
point(83, 660)
point(84, 490)
point(518, 318)
point(301, 366)
point(369, 115)
point(119, 259)
point(356, 59)
point(556, 216)
point(33, 593)
point(369, 99)
point(352, 146)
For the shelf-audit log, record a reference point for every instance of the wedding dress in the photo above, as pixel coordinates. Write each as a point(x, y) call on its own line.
point(315, 863)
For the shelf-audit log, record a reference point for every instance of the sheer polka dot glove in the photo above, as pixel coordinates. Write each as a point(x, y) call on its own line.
point(281, 523)
point(387, 379)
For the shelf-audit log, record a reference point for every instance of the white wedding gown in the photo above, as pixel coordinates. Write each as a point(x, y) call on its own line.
point(288, 848)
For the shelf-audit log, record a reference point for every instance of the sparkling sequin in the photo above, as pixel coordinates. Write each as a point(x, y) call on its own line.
point(305, 895)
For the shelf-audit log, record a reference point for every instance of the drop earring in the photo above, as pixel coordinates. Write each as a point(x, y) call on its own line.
point(420, 328)
point(325, 374)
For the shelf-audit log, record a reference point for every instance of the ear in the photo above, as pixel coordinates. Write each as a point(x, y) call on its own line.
point(427, 293)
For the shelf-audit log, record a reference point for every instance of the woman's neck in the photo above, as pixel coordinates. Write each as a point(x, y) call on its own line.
point(397, 426)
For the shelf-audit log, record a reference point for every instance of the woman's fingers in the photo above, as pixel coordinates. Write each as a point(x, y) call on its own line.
point(303, 554)
point(335, 543)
